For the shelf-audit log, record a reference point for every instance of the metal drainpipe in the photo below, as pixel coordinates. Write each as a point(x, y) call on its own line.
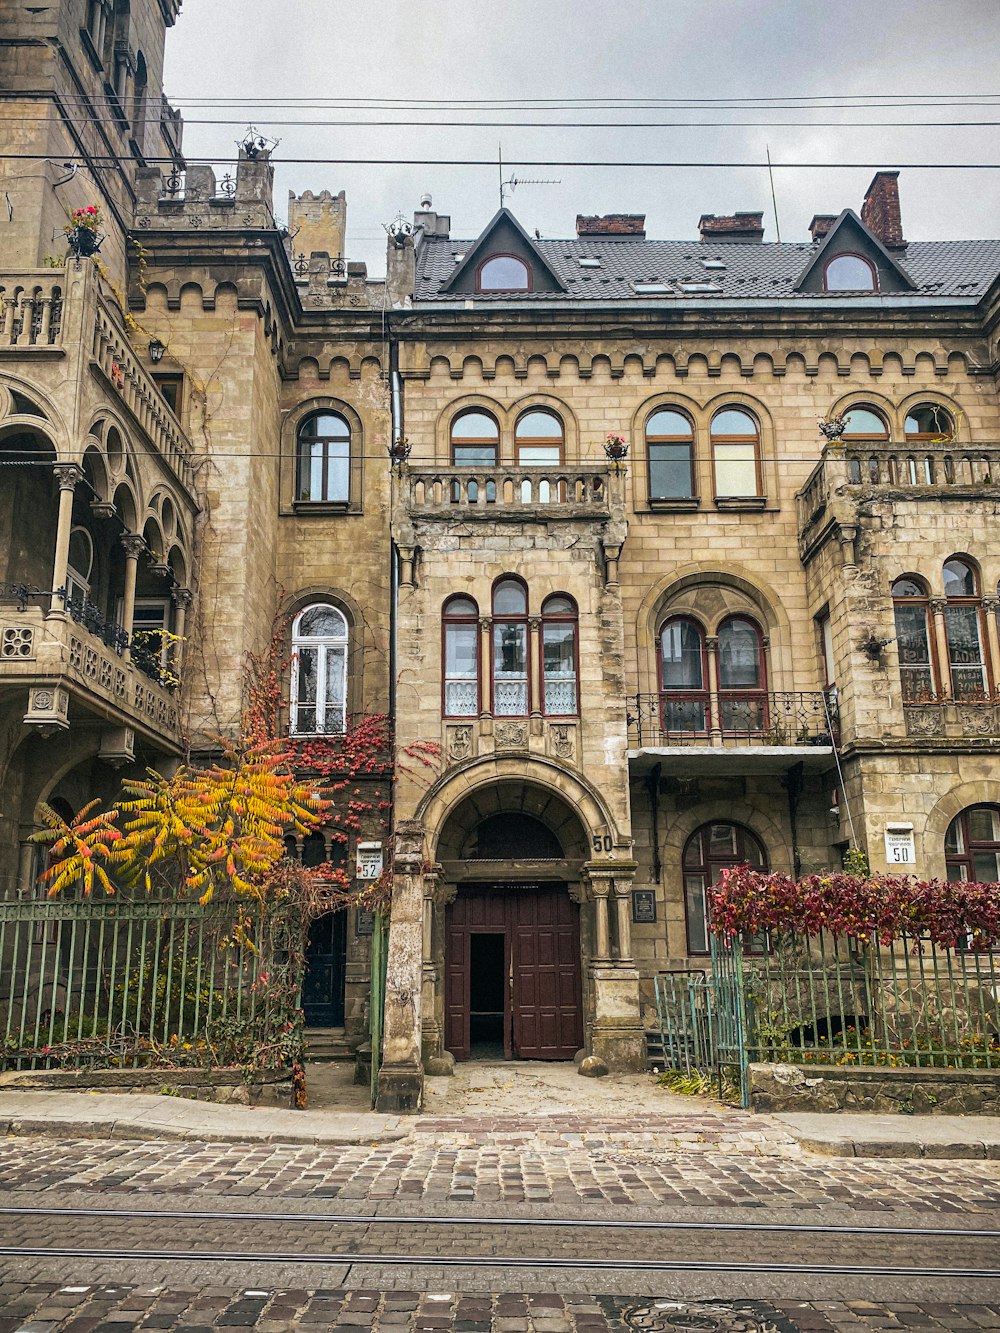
point(396, 429)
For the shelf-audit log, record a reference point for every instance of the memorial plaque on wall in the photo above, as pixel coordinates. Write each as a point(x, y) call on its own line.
point(643, 906)
point(364, 921)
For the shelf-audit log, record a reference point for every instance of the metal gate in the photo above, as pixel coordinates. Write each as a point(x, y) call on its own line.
point(702, 1019)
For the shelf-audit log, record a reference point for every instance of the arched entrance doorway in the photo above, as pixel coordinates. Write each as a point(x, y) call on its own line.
point(512, 950)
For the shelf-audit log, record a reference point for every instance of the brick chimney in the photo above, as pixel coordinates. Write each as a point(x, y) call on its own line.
point(880, 211)
point(735, 227)
point(821, 224)
point(631, 225)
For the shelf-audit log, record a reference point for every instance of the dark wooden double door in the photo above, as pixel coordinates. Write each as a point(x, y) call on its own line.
point(512, 973)
point(326, 966)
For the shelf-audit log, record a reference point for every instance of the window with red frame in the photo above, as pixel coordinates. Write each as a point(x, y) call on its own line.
point(460, 632)
point(684, 696)
point(510, 649)
point(911, 612)
point(972, 845)
point(742, 677)
point(710, 850)
point(560, 676)
point(963, 622)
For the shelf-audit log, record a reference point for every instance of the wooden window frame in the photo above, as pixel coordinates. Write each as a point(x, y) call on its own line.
point(975, 601)
point(503, 254)
point(502, 618)
point(667, 500)
point(929, 437)
point(449, 619)
point(494, 443)
point(704, 869)
point(735, 693)
point(326, 440)
point(560, 618)
point(755, 440)
point(965, 859)
point(850, 254)
point(671, 694)
point(322, 643)
point(933, 666)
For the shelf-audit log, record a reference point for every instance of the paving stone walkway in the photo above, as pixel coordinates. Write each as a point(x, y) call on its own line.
point(83, 1308)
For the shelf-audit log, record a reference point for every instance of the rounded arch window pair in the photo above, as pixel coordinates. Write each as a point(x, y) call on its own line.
point(967, 668)
point(694, 700)
point(710, 850)
point(323, 459)
point(320, 638)
point(539, 441)
point(509, 687)
point(925, 422)
point(735, 439)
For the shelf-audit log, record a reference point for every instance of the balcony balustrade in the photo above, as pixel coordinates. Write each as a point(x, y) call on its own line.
point(506, 493)
point(849, 472)
point(31, 306)
point(732, 718)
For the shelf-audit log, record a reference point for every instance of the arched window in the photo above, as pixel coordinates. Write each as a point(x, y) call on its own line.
point(683, 677)
point(475, 442)
point(742, 677)
point(319, 671)
point(510, 649)
point(560, 690)
point(80, 566)
point(910, 609)
point(670, 452)
point(849, 273)
point(964, 631)
point(323, 451)
point(503, 273)
point(735, 453)
point(972, 845)
point(710, 850)
point(864, 423)
point(928, 423)
point(460, 622)
point(538, 442)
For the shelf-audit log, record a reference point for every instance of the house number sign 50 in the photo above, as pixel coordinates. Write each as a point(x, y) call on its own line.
point(899, 847)
point(603, 842)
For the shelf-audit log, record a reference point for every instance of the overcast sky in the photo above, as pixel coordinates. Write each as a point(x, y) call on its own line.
point(562, 49)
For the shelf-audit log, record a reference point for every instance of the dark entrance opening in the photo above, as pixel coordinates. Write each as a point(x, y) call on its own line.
point(488, 996)
point(326, 951)
point(527, 938)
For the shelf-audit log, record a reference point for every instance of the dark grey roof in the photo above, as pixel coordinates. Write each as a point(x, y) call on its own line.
point(762, 271)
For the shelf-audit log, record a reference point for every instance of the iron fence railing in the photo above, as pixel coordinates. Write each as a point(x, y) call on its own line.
point(731, 717)
point(126, 983)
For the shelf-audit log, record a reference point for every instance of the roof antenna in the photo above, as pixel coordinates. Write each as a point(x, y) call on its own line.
point(774, 201)
point(510, 185)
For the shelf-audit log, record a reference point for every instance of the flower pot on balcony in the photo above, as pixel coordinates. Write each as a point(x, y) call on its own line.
point(83, 242)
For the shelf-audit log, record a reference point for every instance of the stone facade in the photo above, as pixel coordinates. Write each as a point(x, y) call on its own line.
point(299, 442)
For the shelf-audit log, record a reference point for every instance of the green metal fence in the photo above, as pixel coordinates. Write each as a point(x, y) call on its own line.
point(909, 1004)
point(121, 982)
point(830, 1001)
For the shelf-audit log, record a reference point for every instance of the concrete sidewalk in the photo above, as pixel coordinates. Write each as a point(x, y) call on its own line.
point(150, 1118)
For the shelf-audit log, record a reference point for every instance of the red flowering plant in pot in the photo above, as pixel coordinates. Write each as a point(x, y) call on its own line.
point(83, 231)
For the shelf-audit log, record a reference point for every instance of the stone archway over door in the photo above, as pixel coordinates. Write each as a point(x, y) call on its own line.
point(512, 972)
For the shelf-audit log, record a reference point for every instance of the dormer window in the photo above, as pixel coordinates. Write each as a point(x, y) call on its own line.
point(503, 273)
point(849, 273)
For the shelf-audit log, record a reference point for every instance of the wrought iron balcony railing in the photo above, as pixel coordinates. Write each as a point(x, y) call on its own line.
point(732, 717)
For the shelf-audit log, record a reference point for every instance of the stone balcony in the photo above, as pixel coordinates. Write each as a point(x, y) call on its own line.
point(51, 315)
point(70, 676)
point(506, 494)
point(848, 474)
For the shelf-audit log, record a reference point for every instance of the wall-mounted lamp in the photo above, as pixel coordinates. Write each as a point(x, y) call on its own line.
point(156, 350)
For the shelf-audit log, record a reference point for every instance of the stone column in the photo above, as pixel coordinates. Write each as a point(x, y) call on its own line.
point(714, 702)
point(535, 666)
point(181, 598)
point(401, 1075)
point(25, 869)
point(133, 546)
point(617, 1036)
point(991, 607)
point(486, 665)
point(938, 605)
point(68, 475)
point(600, 888)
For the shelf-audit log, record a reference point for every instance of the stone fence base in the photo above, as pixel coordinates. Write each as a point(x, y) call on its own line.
point(877, 1089)
point(225, 1086)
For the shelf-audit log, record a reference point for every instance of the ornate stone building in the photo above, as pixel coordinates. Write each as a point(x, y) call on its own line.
point(614, 666)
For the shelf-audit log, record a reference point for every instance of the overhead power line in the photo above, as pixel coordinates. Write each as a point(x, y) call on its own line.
point(118, 160)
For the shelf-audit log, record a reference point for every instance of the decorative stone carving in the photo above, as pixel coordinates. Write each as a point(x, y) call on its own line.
point(48, 709)
point(18, 642)
point(511, 736)
point(562, 740)
point(460, 743)
point(923, 721)
point(978, 719)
